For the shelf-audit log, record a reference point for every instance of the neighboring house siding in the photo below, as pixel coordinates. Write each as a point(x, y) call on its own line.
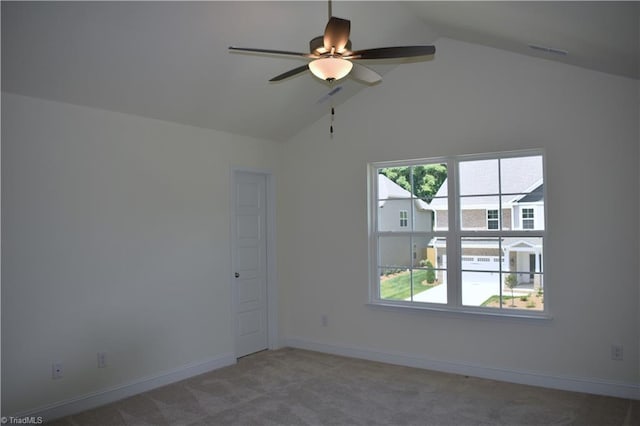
point(442, 219)
point(389, 216)
point(394, 252)
point(506, 219)
point(400, 251)
point(474, 219)
point(538, 211)
point(423, 220)
point(397, 252)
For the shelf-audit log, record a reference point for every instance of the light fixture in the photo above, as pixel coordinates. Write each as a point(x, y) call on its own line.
point(330, 68)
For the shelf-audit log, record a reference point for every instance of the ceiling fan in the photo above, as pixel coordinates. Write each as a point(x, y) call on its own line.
point(332, 57)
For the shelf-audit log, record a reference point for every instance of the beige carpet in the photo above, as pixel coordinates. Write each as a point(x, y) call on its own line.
point(297, 387)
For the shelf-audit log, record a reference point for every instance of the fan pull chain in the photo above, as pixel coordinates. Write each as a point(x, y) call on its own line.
point(333, 113)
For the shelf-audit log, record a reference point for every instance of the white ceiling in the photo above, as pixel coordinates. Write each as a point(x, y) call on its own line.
point(169, 60)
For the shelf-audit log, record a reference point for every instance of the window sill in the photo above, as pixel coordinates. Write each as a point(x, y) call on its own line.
point(460, 311)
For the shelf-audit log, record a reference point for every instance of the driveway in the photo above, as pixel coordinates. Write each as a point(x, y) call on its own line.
point(474, 292)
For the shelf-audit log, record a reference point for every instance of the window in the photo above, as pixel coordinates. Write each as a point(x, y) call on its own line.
point(492, 219)
point(460, 251)
point(404, 218)
point(527, 218)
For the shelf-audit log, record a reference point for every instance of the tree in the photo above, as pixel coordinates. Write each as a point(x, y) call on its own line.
point(422, 180)
point(431, 274)
point(511, 281)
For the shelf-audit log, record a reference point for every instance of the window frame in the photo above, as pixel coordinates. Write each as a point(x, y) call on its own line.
point(454, 235)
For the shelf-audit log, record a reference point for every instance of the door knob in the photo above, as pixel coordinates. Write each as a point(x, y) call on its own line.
point(237, 274)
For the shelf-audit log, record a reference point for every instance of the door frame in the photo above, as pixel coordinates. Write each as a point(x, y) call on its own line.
point(273, 339)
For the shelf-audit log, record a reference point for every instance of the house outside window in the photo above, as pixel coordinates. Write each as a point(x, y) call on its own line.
point(457, 262)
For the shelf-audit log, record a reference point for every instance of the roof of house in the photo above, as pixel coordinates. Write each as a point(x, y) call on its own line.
point(520, 175)
point(389, 190)
point(534, 196)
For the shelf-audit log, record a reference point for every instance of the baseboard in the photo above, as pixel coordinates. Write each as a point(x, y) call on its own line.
point(115, 393)
point(575, 384)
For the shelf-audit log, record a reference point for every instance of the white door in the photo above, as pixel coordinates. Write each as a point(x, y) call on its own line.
point(250, 263)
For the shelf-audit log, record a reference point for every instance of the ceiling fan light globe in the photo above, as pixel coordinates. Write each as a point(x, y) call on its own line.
point(330, 68)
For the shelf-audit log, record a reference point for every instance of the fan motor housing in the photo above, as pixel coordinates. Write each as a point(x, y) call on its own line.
point(316, 46)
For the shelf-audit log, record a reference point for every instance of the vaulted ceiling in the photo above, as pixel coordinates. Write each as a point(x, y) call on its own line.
point(169, 60)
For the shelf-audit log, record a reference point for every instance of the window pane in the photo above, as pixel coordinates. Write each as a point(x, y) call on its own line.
point(395, 284)
point(478, 288)
point(430, 276)
point(523, 278)
point(480, 264)
point(479, 177)
point(525, 257)
point(440, 207)
point(520, 174)
point(507, 213)
point(522, 178)
point(394, 198)
point(428, 181)
point(517, 294)
point(395, 252)
point(422, 216)
point(440, 247)
point(390, 214)
point(436, 184)
point(430, 286)
point(392, 178)
point(473, 212)
point(423, 251)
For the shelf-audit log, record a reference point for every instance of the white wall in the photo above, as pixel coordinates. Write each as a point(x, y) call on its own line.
point(115, 239)
point(473, 99)
point(115, 228)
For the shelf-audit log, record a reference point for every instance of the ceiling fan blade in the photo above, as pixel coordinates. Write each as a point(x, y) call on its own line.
point(336, 34)
point(393, 52)
point(365, 74)
point(291, 73)
point(275, 52)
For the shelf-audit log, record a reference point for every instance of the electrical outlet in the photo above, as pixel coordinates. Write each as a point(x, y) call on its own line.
point(616, 352)
point(56, 370)
point(102, 359)
point(325, 320)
